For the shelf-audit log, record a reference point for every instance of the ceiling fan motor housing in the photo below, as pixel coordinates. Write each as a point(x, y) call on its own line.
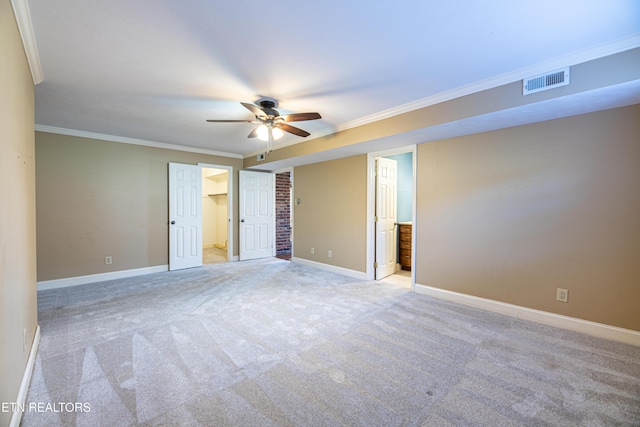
point(268, 107)
point(265, 103)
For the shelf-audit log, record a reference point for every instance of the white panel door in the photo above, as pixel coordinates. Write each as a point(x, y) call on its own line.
point(257, 215)
point(185, 216)
point(386, 216)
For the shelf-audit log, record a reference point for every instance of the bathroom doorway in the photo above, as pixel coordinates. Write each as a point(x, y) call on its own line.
point(405, 203)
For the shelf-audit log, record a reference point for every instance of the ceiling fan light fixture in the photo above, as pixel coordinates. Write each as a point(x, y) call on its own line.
point(263, 132)
point(277, 133)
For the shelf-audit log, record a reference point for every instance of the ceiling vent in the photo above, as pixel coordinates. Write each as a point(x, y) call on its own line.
point(545, 81)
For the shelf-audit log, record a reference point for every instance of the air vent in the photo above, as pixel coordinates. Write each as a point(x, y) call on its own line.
point(545, 81)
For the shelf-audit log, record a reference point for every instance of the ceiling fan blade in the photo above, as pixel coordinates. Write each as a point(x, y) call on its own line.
point(253, 134)
point(299, 117)
point(255, 110)
point(294, 130)
point(232, 121)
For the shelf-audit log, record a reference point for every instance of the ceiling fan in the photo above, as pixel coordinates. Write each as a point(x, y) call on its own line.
point(272, 124)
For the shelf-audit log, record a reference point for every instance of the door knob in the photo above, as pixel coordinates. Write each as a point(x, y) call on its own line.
point(173, 222)
point(242, 220)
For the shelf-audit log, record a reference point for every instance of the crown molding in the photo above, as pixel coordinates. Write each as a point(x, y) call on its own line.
point(133, 141)
point(599, 51)
point(23, 19)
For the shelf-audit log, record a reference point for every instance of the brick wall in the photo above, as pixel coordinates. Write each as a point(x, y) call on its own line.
point(283, 213)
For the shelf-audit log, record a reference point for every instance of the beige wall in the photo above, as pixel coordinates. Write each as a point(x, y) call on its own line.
point(332, 214)
point(512, 215)
point(17, 210)
point(97, 198)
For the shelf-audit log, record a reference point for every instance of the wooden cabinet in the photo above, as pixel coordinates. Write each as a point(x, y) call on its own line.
point(404, 233)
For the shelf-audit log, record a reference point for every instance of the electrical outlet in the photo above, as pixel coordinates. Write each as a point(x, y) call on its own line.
point(108, 260)
point(562, 295)
point(313, 251)
point(329, 253)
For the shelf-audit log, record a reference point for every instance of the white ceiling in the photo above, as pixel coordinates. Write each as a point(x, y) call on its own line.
point(155, 70)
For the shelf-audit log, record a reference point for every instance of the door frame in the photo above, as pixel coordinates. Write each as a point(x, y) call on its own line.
point(230, 222)
point(371, 208)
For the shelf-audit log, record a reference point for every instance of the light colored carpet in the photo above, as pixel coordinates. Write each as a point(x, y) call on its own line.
point(273, 343)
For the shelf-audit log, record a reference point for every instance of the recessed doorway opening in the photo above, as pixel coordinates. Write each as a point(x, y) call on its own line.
point(399, 236)
point(215, 215)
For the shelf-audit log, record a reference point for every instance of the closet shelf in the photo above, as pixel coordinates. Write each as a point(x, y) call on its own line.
point(218, 194)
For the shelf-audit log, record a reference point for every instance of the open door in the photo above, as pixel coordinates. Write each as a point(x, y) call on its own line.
point(386, 217)
point(185, 216)
point(257, 215)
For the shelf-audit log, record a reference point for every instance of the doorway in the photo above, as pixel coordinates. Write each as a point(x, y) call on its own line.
point(215, 215)
point(191, 186)
point(403, 274)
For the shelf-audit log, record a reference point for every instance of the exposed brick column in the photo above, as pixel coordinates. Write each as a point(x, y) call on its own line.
point(283, 213)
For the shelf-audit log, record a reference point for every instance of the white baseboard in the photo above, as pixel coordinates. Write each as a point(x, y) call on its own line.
point(600, 330)
point(16, 417)
point(101, 277)
point(332, 268)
